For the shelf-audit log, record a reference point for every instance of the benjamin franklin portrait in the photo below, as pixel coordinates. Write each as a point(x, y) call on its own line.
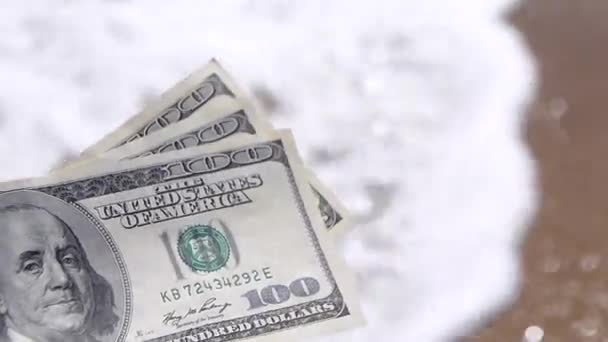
point(49, 291)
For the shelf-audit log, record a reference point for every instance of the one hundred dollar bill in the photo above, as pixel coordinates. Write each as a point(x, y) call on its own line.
point(183, 118)
point(176, 104)
point(202, 244)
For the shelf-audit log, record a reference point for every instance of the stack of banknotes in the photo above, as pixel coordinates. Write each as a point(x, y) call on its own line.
point(195, 220)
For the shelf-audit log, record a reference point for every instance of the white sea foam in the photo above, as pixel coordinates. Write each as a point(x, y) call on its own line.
point(411, 110)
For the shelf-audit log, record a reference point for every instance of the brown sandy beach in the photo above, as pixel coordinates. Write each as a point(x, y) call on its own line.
point(565, 289)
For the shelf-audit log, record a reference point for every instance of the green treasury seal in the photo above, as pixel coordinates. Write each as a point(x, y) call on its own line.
point(203, 248)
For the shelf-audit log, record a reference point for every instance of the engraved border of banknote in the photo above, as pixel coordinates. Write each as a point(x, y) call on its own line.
point(181, 100)
point(207, 116)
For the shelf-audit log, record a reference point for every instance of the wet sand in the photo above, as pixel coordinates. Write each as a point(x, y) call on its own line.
point(565, 289)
